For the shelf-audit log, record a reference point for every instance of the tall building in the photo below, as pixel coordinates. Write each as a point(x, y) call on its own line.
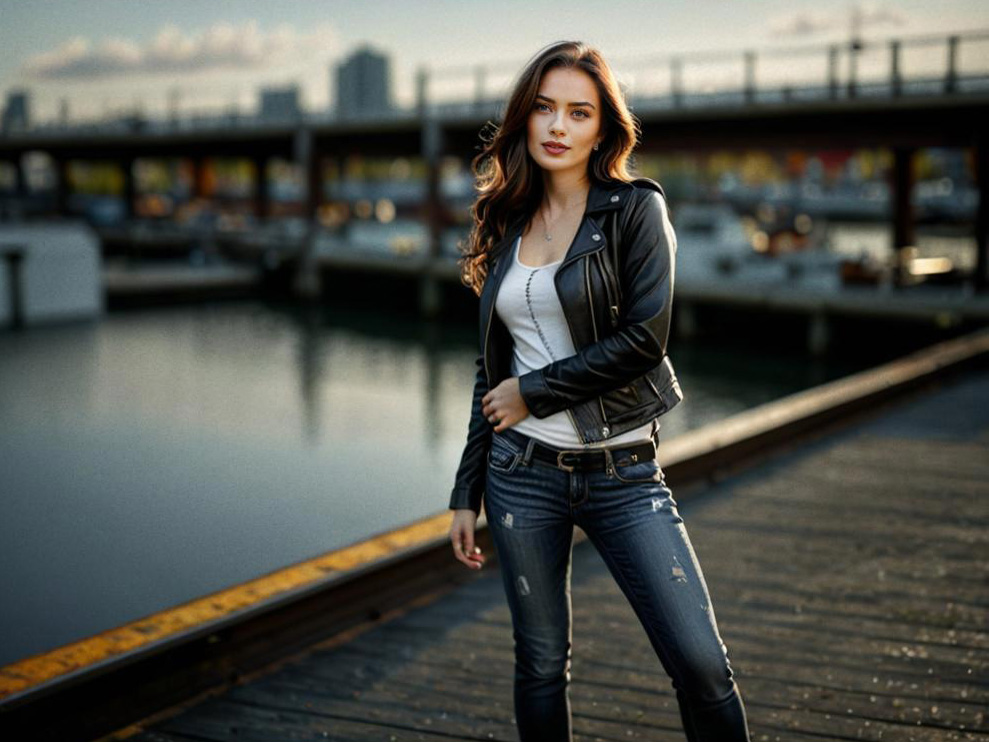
point(363, 83)
point(280, 103)
point(16, 113)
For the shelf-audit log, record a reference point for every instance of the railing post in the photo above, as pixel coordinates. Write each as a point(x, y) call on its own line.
point(422, 90)
point(853, 50)
point(833, 71)
point(676, 81)
point(895, 79)
point(480, 74)
point(749, 77)
point(951, 79)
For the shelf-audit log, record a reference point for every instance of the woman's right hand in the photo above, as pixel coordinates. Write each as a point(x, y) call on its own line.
point(462, 538)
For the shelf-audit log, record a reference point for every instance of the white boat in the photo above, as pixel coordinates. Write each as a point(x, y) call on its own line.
point(711, 241)
point(58, 274)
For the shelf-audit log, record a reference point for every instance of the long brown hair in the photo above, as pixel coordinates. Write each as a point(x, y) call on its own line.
point(509, 182)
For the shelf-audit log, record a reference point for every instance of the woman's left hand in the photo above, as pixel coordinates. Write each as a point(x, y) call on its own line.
point(503, 406)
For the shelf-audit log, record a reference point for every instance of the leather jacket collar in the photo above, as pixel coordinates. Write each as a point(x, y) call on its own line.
point(602, 196)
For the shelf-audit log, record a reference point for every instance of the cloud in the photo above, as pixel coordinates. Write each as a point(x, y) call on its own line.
point(803, 23)
point(221, 46)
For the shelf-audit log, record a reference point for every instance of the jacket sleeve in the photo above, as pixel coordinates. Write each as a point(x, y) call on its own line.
point(639, 343)
point(468, 488)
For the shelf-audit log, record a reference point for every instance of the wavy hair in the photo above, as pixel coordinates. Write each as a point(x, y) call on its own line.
point(508, 180)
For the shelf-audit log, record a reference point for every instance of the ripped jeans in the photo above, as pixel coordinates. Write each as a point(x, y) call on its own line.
point(631, 518)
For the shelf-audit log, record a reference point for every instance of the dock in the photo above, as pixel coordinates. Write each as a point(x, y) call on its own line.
point(841, 530)
point(848, 578)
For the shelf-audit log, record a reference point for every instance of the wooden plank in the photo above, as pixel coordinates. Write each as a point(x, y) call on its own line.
point(848, 580)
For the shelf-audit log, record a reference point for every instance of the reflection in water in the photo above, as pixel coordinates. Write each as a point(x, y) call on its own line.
point(163, 454)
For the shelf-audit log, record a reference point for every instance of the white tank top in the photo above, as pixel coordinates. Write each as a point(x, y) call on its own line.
point(529, 306)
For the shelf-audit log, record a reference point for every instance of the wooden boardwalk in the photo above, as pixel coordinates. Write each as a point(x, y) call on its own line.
point(849, 580)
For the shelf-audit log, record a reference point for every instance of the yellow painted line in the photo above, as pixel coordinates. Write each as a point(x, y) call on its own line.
point(44, 667)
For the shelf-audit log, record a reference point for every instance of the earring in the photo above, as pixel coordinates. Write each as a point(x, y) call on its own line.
point(596, 145)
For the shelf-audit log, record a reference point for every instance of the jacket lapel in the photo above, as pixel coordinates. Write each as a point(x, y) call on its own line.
point(497, 272)
point(601, 198)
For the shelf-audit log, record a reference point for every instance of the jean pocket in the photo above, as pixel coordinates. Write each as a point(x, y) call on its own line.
point(503, 456)
point(627, 470)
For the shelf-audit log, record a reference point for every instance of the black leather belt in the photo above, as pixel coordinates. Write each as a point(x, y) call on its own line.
point(590, 459)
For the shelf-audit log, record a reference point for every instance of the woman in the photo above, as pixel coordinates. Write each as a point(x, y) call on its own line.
point(573, 261)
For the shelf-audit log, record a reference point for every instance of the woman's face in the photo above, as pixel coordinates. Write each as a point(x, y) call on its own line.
point(567, 109)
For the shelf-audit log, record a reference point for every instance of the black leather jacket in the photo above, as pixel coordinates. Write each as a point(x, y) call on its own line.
point(615, 285)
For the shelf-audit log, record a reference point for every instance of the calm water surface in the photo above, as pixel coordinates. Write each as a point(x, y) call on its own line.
point(162, 454)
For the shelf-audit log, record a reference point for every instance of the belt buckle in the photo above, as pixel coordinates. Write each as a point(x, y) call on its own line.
point(559, 460)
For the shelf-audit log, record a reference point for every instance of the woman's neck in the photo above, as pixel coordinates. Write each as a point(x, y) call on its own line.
point(563, 192)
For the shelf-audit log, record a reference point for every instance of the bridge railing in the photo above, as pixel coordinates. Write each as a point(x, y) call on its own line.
point(858, 68)
point(921, 65)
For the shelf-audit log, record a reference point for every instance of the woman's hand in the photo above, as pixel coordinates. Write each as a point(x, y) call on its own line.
point(462, 538)
point(503, 406)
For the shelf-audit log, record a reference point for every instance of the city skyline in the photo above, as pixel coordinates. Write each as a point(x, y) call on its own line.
point(120, 56)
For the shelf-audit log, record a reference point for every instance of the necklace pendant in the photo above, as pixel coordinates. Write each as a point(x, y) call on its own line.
point(549, 237)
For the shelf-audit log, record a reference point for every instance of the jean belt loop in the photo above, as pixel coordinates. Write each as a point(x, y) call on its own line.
point(527, 457)
point(608, 461)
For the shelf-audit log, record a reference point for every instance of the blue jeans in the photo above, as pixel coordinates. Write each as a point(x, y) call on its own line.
point(631, 518)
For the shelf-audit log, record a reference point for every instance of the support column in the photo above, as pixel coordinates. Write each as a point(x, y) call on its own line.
point(903, 223)
point(199, 177)
point(307, 157)
point(16, 198)
point(126, 165)
point(262, 193)
point(818, 334)
point(20, 178)
point(430, 296)
point(307, 283)
point(61, 165)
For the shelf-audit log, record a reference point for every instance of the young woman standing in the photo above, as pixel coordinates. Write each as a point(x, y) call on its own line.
point(573, 260)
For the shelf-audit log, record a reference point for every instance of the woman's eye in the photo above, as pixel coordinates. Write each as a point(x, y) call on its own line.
point(546, 106)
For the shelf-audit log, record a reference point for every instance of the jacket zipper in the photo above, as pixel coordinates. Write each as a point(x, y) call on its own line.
point(613, 308)
point(594, 326)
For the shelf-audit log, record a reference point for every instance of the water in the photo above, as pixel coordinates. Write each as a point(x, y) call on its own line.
point(162, 454)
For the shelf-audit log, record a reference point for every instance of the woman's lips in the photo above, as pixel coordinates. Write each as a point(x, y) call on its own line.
point(555, 150)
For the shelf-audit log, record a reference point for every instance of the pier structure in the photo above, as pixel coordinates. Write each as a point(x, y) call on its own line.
point(862, 94)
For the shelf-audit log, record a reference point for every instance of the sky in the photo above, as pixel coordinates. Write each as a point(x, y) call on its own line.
point(114, 56)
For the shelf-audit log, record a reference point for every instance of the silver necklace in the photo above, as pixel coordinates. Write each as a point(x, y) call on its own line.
point(542, 214)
